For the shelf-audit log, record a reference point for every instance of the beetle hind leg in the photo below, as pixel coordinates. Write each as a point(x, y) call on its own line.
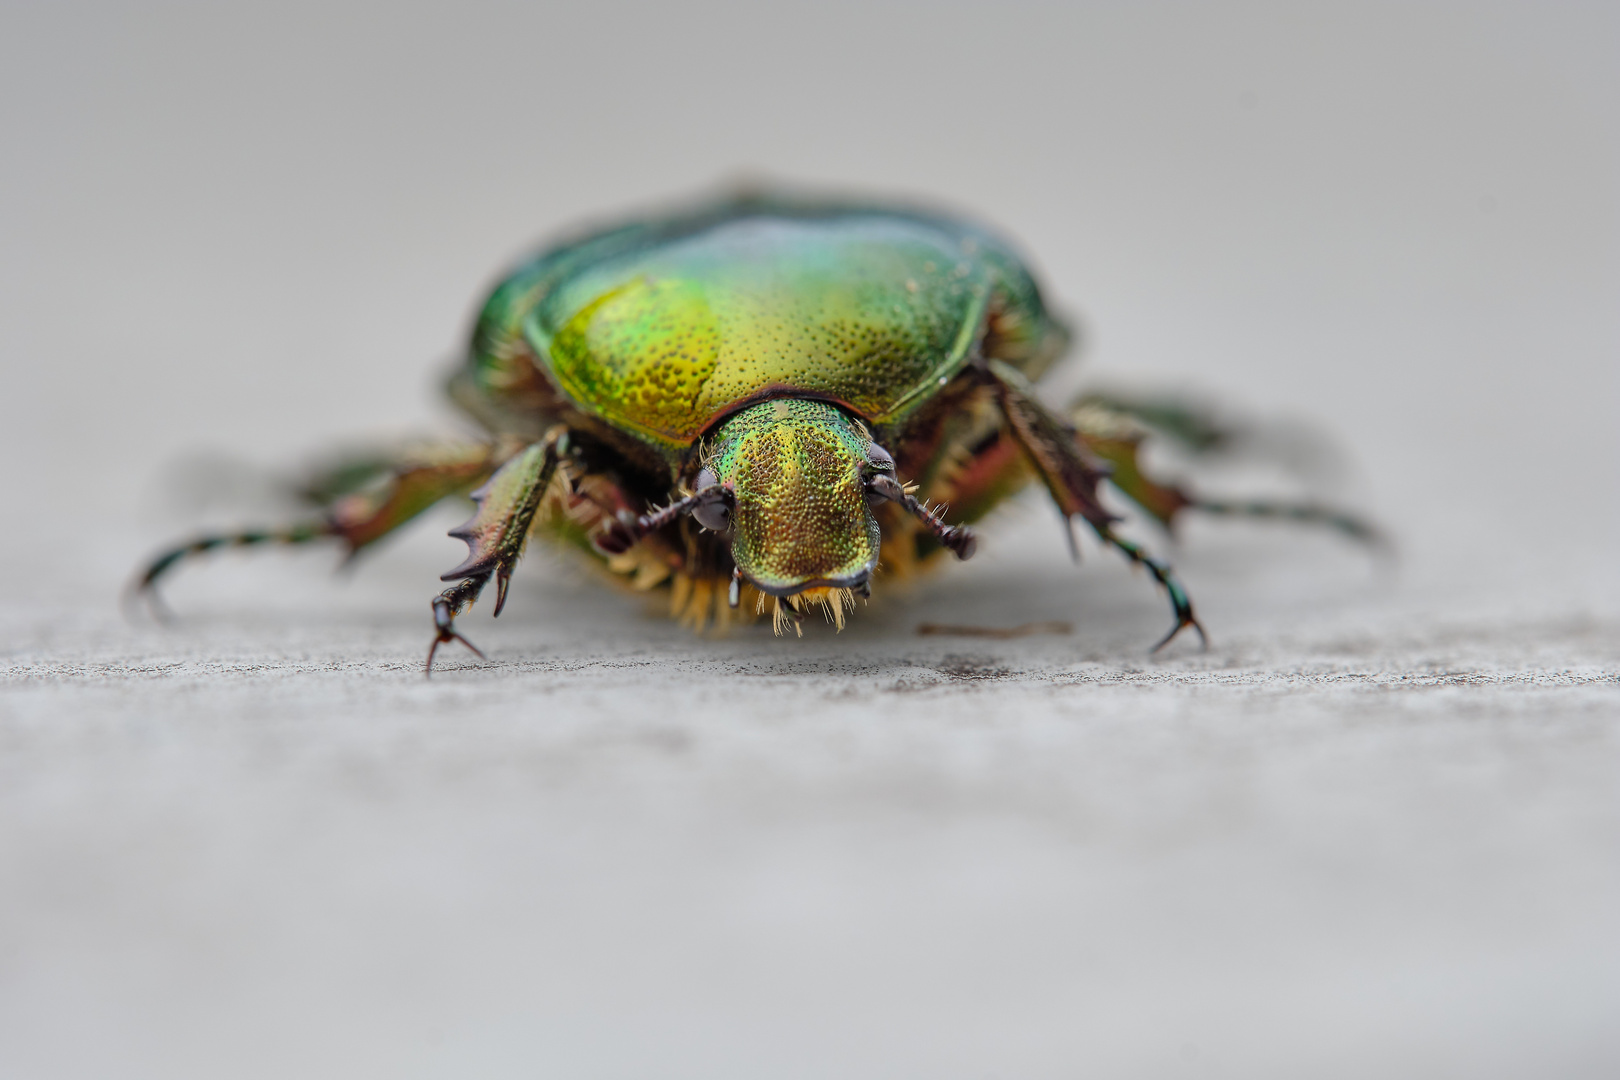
point(1308, 513)
point(1115, 435)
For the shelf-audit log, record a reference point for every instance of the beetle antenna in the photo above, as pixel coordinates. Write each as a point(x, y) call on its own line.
point(649, 523)
point(625, 531)
point(959, 538)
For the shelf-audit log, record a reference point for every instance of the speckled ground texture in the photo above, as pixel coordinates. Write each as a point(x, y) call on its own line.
point(1373, 831)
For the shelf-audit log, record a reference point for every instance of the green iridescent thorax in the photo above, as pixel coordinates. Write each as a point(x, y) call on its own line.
point(801, 519)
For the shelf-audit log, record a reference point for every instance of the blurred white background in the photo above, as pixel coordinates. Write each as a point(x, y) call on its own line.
point(1374, 831)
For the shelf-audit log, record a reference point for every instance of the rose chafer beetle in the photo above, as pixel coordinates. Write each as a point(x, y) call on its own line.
point(760, 403)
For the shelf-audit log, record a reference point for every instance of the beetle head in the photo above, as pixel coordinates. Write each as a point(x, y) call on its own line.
point(792, 495)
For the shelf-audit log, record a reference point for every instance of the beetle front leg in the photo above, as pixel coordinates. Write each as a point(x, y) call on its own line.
point(1072, 476)
point(496, 534)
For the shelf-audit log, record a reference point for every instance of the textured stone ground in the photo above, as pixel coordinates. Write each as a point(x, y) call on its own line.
point(1369, 838)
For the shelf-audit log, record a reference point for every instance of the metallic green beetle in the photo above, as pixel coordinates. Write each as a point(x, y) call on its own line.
point(760, 401)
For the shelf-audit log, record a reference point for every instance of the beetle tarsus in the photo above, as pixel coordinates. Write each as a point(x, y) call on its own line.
point(1180, 604)
point(446, 606)
point(447, 636)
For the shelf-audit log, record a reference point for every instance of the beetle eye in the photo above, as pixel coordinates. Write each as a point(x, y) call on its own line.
point(712, 510)
point(713, 514)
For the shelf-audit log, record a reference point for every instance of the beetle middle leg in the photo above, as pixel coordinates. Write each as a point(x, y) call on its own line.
point(1072, 474)
point(359, 502)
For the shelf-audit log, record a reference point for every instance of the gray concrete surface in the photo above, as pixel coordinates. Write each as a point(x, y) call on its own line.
point(1373, 831)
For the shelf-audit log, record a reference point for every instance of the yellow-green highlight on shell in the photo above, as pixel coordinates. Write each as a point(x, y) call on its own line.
point(663, 327)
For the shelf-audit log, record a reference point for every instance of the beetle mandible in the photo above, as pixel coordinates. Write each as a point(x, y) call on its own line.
point(756, 403)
